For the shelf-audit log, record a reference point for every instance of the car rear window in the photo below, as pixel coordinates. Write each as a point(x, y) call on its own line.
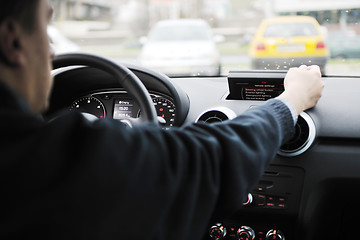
point(290, 30)
point(180, 33)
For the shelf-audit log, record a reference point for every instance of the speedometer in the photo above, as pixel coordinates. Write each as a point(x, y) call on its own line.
point(90, 105)
point(165, 109)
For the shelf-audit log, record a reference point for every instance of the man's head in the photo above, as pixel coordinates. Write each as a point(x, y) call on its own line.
point(25, 53)
point(22, 11)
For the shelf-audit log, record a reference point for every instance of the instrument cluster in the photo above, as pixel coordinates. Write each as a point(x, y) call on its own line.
point(119, 105)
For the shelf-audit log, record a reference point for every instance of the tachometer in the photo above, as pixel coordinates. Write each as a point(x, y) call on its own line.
point(90, 105)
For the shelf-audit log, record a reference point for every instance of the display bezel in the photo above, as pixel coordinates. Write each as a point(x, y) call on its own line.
point(255, 87)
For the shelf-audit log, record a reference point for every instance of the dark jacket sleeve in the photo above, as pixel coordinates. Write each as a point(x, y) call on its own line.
point(101, 180)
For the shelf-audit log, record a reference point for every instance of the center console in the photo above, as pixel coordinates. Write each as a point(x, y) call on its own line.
point(270, 211)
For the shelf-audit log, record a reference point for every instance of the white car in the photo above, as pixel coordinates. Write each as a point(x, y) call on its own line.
point(181, 47)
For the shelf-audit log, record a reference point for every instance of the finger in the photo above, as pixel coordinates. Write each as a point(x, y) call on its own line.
point(303, 67)
point(314, 67)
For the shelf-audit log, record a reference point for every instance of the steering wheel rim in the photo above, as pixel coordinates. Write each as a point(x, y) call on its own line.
point(123, 75)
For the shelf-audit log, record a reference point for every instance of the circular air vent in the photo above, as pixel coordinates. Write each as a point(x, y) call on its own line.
point(216, 115)
point(303, 138)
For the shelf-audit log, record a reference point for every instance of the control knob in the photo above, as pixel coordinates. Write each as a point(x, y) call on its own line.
point(275, 234)
point(217, 232)
point(249, 200)
point(245, 233)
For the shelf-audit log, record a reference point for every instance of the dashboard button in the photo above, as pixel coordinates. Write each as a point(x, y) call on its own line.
point(259, 200)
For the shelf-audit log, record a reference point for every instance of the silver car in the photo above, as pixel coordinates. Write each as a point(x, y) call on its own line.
point(181, 47)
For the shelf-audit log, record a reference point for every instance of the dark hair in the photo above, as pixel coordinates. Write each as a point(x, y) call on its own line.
point(23, 11)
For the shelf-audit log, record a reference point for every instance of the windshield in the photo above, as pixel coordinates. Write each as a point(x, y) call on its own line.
point(234, 34)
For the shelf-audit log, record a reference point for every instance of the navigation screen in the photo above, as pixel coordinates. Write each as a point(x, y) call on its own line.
point(255, 86)
point(259, 89)
point(123, 108)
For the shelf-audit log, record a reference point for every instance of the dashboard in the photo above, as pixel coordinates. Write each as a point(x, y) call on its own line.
point(310, 189)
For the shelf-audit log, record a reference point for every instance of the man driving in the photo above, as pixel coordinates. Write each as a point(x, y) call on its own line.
point(102, 180)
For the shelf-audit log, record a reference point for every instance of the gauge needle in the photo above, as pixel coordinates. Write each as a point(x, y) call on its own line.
point(161, 120)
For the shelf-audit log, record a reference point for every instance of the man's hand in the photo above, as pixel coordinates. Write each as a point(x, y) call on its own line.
point(303, 87)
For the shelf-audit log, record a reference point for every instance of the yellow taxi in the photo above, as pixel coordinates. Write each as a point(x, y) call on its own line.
point(288, 41)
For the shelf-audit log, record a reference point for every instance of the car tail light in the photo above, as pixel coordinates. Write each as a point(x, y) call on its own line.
point(320, 45)
point(260, 46)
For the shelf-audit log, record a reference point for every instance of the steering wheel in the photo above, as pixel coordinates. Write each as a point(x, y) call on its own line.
point(122, 75)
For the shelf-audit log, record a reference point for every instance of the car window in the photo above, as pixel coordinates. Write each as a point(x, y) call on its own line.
point(180, 33)
point(165, 36)
point(290, 30)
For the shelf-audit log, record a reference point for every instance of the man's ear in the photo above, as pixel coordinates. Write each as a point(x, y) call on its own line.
point(10, 43)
